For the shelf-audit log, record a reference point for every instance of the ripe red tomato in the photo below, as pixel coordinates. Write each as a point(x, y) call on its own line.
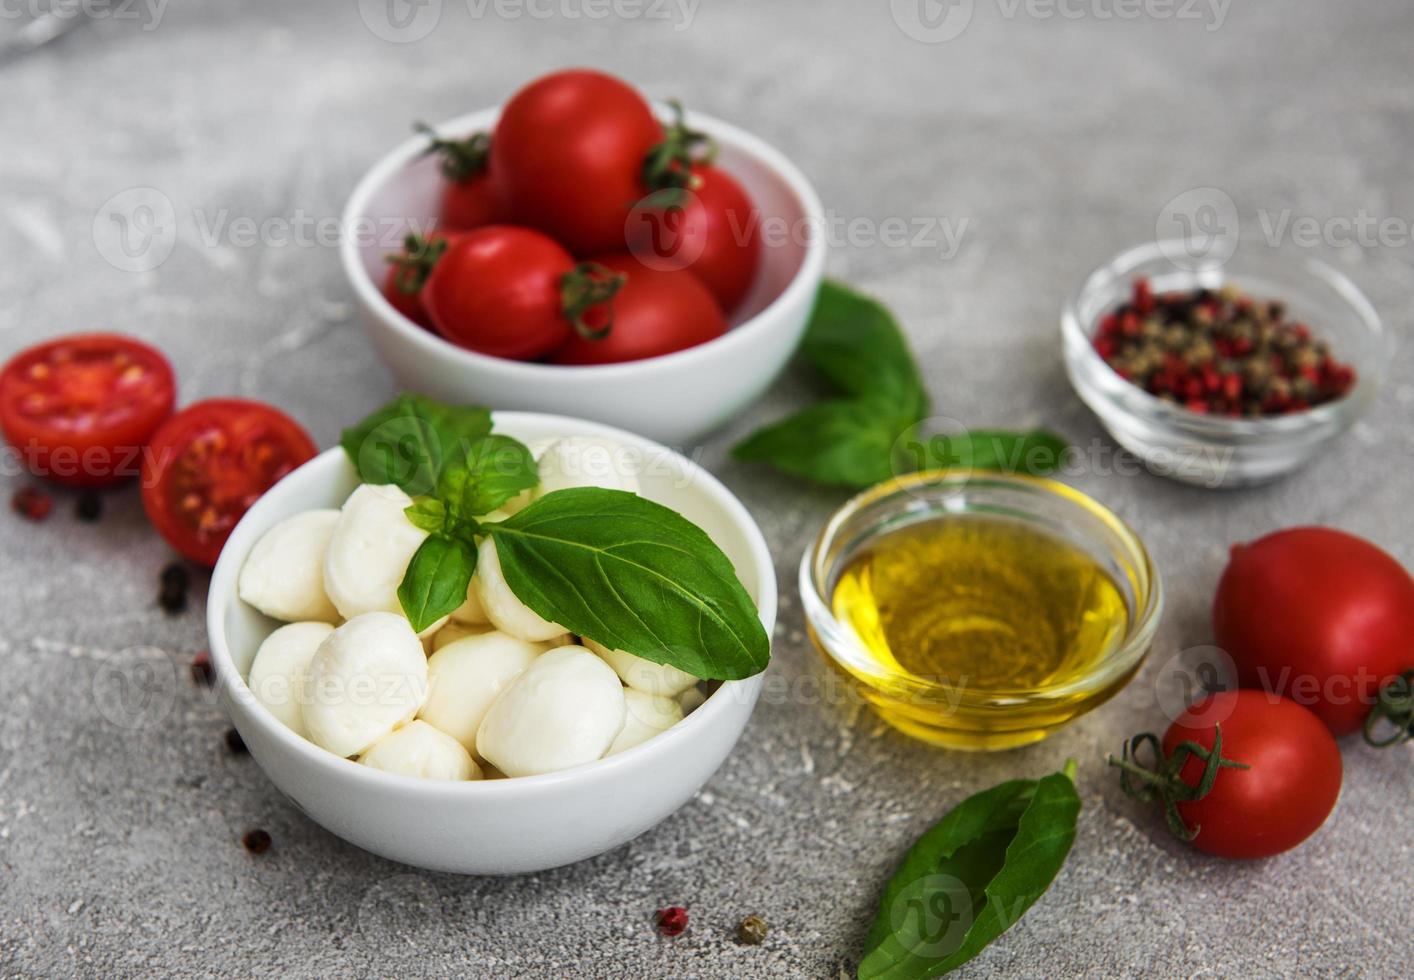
point(1286, 792)
point(469, 198)
point(79, 409)
point(567, 157)
point(655, 312)
point(1318, 616)
point(712, 229)
point(408, 271)
point(496, 290)
point(208, 465)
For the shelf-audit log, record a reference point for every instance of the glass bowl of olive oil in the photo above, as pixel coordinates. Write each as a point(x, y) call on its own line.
point(980, 611)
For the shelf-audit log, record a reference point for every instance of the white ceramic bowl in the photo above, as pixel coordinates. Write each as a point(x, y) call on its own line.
point(674, 398)
point(504, 826)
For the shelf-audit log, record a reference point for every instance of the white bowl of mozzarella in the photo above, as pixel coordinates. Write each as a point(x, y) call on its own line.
point(494, 743)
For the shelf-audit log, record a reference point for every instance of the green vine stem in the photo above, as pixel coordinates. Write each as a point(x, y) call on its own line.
point(585, 287)
point(1161, 781)
point(1396, 708)
point(414, 263)
point(461, 159)
point(668, 166)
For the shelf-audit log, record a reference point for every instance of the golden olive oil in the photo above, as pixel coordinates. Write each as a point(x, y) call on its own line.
point(980, 604)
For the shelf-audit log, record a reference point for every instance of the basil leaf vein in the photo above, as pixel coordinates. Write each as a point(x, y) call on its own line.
point(436, 581)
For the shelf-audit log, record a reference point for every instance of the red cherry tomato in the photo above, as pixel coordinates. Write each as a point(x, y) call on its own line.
point(408, 271)
point(79, 409)
point(567, 157)
point(712, 229)
point(655, 312)
point(496, 290)
point(471, 203)
point(208, 465)
point(1318, 616)
point(1286, 792)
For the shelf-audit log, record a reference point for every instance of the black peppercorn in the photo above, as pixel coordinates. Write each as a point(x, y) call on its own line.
point(172, 596)
point(89, 507)
point(256, 841)
point(235, 743)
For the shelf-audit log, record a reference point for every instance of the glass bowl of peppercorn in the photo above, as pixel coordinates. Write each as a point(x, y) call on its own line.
point(1222, 375)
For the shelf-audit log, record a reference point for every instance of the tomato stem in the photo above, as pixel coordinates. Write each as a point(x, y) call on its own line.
point(1396, 707)
point(461, 159)
point(584, 287)
point(1161, 781)
point(415, 262)
point(668, 166)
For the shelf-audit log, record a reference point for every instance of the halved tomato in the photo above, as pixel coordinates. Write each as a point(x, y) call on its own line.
point(211, 461)
point(80, 409)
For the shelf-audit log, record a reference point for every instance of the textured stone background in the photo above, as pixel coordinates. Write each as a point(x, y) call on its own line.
point(1059, 140)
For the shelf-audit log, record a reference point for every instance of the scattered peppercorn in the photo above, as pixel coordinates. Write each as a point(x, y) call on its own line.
point(1220, 353)
point(672, 921)
point(256, 841)
point(89, 507)
point(172, 596)
point(32, 504)
point(751, 930)
point(201, 669)
point(235, 743)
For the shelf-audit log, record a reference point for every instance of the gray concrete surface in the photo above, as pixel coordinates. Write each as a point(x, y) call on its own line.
point(1058, 139)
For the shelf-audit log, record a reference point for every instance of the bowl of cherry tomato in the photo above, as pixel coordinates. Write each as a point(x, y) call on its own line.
point(583, 252)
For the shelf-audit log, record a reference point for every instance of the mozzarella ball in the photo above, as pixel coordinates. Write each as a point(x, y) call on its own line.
point(455, 631)
point(507, 613)
point(418, 749)
point(564, 710)
point(589, 461)
point(464, 677)
point(280, 663)
point(647, 715)
point(368, 677)
point(471, 612)
point(644, 675)
point(525, 498)
point(284, 575)
point(691, 699)
point(369, 552)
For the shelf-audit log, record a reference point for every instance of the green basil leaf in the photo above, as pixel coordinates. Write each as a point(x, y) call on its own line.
point(971, 877)
point(408, 441)
point(844, 442)
point(489, 472)
point(436, 580)
point(854, 341)
point(1035, 453)
point(429, 514)
point(633, 575)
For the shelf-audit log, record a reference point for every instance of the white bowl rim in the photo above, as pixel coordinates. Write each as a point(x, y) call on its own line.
point(223, 590)
point(810, 271)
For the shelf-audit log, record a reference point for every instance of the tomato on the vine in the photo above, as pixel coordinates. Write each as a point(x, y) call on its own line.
point(502, 291)
point(210, 463)
point(567, 157)
point(408, 271)
point(710, 227)
point(655, 312)
point(1240, 774)
point(79, 409)
point(1317, 615)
